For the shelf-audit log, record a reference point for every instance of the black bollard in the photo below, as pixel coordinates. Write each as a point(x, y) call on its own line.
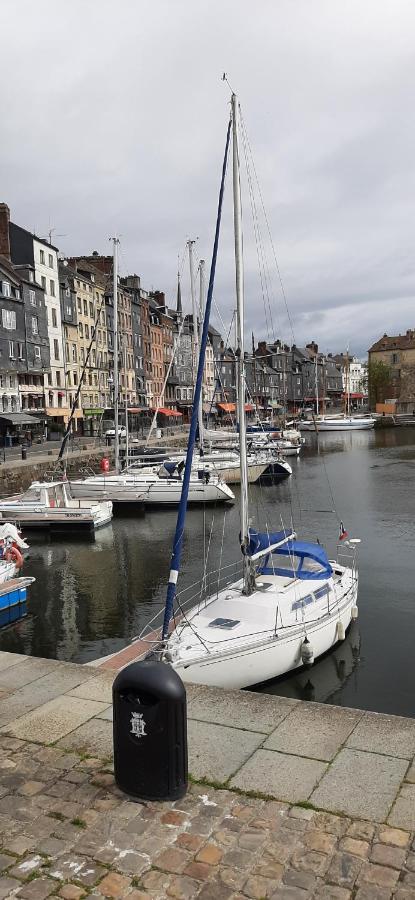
point(150, 731)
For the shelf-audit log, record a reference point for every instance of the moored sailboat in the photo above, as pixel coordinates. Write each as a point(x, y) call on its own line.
point(289, 603)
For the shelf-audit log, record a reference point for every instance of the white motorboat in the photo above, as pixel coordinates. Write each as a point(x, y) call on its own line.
point(52, 506)
point(337, 423)
point(153, 488)
point(288, 604)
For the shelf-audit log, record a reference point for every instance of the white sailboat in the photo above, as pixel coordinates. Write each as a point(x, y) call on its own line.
point(153, 488)
point(289, 603)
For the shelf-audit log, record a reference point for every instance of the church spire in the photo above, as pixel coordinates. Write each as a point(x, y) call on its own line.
point(179, 296)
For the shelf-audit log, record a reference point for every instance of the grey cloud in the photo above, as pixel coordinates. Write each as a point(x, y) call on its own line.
point(113, 120)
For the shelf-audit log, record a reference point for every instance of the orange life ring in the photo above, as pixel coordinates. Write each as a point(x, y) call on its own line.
point(13, 554)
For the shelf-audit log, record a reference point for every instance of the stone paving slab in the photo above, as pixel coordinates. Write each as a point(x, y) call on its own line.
point(53, 720)
point(216, 752)
point(15, 677)
point(10, 659)
point(402, 814)
point(94, 736)
point(279, 775)
point(378, 733)
point(360, 784)
point(242, 709)
point(106, 714)
point(314, 731)
point(62, 678)
point(96, 688)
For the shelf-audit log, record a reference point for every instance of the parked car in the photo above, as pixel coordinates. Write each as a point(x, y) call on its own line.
point(122, 432)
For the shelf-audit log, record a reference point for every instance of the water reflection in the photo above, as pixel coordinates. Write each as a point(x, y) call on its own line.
point(323, 681)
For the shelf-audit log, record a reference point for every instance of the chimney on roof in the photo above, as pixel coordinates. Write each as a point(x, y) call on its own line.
point(313, 347)
point(4, 230)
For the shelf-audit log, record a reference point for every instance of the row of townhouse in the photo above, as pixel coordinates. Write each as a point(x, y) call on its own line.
point(279, 376)
point(57, 340)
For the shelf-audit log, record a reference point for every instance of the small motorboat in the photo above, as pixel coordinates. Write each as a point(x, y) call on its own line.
point(12, 549)
point(50, 505)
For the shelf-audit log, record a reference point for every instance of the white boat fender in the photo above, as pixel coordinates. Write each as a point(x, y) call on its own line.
point(340, 631)
point(307, 653)
point(354, 612)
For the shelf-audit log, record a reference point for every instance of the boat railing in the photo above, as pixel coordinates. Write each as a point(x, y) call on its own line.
point(193, 596)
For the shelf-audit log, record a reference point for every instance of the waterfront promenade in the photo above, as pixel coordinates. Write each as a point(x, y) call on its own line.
point(287, 799)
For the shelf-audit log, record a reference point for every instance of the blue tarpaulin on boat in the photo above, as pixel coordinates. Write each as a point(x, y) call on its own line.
point(260, 541)
point(305, 561)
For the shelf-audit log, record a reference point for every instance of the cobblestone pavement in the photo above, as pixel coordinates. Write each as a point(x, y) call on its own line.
point(67, 831)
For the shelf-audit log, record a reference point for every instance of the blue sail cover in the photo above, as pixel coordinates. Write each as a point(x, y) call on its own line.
point(298, 559)
point(262, 541)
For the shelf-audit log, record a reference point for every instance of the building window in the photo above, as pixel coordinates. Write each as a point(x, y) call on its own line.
point(74, 354)
point(79, 305)
point(91, 310)
point(43, 281)
point(35, 325)
point(87, 331)
point(54, 319)
point(56, 349)
point(37, 352)
point(52, 287)
point(20, 350)
point(31, 276)
point(42, 256)
point(85, 307)
point(9, 319)
point(81, 330)
point(68, 310)
point(32, 297)
point(11, 350)
point(50, 261)
point(58, 378)
point(395, 358)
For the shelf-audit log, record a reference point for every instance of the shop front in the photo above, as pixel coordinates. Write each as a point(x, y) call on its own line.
point(19, 427)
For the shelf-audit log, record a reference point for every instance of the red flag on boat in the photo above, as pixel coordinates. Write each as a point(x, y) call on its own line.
point(342, 532)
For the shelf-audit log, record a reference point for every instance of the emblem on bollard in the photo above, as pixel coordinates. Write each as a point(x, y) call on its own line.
point(138, 725)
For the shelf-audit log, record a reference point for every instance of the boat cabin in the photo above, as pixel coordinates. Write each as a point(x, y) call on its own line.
point(53, 494)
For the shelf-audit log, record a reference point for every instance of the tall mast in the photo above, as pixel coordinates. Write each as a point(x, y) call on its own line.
point(240, 358)
point(116, 386)
point(202, 316)
point(127, 433)
point(190, 244)
point(316, 376)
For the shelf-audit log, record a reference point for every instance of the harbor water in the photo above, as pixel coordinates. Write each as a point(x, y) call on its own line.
point(91, 598)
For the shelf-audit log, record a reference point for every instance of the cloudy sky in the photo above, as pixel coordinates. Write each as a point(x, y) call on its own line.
point(113, 120)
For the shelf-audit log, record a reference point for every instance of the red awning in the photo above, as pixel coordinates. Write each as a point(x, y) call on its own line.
point(137, 409)
point(61, 393)
point(169, 412)
point(355, 396)
point(230, 407)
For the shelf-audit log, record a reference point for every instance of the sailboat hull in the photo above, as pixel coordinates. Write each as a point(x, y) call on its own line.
point(347, 424)
point(269, 659)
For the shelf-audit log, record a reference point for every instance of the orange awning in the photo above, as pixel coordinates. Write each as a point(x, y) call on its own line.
point(169, 412)
point(230, 407)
